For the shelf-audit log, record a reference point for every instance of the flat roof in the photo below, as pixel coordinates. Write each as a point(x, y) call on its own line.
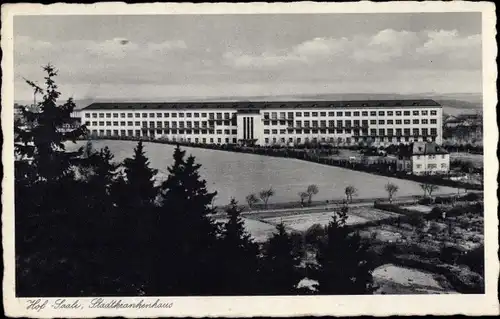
point(261, 105)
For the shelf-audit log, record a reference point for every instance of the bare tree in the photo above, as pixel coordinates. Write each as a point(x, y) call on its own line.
point(428, 189)
point(303, 196)
point(350, 191)
point(391, 190)
point(265, 195)
point(252, 199)
point(311, 190)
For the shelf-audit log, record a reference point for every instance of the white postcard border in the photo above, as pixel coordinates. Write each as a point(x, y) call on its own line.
point(268, 305)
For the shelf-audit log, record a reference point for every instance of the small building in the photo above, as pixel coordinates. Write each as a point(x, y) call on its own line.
point(423, 158)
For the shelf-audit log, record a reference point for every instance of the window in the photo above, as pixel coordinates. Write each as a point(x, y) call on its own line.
point(101, 123)
point(306, 124)
point(415, 132)
point(347, 113)
point(381, 113)
point(129, 115)
point(398, 122)
point(108, 115)
point(425, 121)
point(407, 122)
point(406, 132)
point(364, 113)
point(425, 131)
point(373, 121)
point(137, 114)
point(416, 113)
point(298, 123)
point(390, 113)
point(331, 123)
point(406, 113)
point(398, 113)
point(93, 123)
point(381, 122)
point(227, 132)
point(218, 131)
point(227, 116)
point(108, 123)
point(381, 132)
point(282, 131)
point(331, 113)
point(419, 165)
point(433, 112)
point(443, 165)
point(424, 112)
point(373, 132)
point(203, 114)
point(87, 115)
point(398, 132)
point(390, 122)
point(314, 114)
point(373, 113)
point(339, 113)
point(266, 131)
point(143, 115)
point(274, 115)
point(322, 123)
point(275, 131)
point(433, 121)
point(315, 124)
point(364, 122)
point(122, 123)
point(433, 131)
point(339, 123)
point(290, 115)
point(390, 131)
point(115, 123)
point(181, 114)
point(306, 114)
point(431, 166)
point(298, 114)
point(416, 121)
point(356, 113)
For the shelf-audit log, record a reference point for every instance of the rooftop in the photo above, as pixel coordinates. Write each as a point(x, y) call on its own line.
point(261, 105)
point(426, 148)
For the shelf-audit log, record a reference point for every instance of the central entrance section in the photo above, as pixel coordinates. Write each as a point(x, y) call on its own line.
point(250, 127)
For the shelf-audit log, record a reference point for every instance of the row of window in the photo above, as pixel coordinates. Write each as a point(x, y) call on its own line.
point(357, 123)
point(289, 115)
point(347, 140)
point(433, 166)
point(432, 156)
point(212, 116)
point(160, 132)
point(357, 132)
point(267, 115)
point(160, 124)
point(137, 133)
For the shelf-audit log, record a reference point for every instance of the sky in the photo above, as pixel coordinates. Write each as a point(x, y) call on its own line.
point(158, 57)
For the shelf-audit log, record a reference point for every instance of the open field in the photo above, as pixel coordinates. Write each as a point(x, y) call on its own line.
point(356, 215)
point(237, 175)
point(259, 231)
point(392, 279)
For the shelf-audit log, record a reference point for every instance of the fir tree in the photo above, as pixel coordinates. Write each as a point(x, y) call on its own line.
point(39, 143)
point(241, 256)
point(139, 186)
point(189, 251)
point(345, 265)
point(281, 261)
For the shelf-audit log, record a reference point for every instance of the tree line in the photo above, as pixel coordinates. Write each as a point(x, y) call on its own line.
point(87, 226)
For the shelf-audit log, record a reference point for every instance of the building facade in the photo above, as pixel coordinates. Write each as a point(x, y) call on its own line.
point(425, 158)
point(271, 123)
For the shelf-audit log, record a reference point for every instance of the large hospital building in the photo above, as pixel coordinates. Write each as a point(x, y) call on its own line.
point(270, 123)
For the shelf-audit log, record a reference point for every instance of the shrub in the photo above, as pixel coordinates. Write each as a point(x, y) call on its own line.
point(393, 208)
point(417, 221)
point(474, 259)
point(435, 214)
point(443, 200)
point(425, 201)
point(314, 234)
point(450, 254)
point(470, 197)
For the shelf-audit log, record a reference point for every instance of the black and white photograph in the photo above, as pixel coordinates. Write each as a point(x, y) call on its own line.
point(264, 154)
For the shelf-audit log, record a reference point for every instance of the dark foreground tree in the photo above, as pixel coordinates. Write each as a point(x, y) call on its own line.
point(345, 265)
point(239, 261)
point(280, 264)
point(187, 237)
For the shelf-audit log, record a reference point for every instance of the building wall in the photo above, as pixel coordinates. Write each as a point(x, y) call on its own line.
point(432, 164)
point(342, 126)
